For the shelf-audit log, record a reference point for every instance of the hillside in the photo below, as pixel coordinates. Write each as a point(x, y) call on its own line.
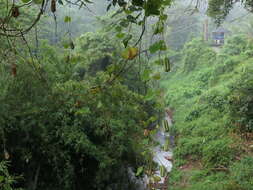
point(211, 95)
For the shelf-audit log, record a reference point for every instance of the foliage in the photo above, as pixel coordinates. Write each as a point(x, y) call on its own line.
point(72, 114)
point(241, 103)
point(235, 45)
point(69, 131)
point(6, 180)
point(193, 52)
point(213, 111)
point(242, 173)
point(219, 9)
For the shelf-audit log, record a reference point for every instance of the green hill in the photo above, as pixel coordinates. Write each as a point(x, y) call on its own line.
point(212, 98)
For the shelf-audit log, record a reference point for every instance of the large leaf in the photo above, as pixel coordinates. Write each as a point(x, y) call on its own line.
point(130, 53)
point(139, 171)
point(152, 7)
point(146, 74)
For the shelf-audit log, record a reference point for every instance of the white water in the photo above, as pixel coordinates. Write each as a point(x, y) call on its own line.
point(159, 154)
point(159, 157)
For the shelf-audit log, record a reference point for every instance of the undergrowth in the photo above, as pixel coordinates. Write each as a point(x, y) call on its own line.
point(211, 94)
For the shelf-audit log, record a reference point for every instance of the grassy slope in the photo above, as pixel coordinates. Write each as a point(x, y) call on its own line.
point(211, 154)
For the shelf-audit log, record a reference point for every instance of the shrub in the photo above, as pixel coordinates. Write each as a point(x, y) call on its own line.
point(241, 103)
point(194, 53)
point(190, 146)
point(235, 45)
point(218, 153)
point(242, 173)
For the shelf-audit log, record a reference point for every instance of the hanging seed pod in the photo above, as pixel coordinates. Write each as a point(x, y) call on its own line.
point(72, 45)
point(164, 125)
point(162, 171)
point(15, 12)
point(167, 126)
point(53, 6)
point(166, 145)
point(167, 64)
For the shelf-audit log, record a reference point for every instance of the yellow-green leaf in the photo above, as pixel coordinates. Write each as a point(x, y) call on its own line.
point(130, 53)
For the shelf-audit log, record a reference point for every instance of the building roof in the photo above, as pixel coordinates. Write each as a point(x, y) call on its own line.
point(220, 30)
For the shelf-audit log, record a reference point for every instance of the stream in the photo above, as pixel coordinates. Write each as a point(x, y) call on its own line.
point(162, 157)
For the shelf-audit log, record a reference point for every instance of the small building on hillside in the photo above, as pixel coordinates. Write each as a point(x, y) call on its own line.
point(218, 36)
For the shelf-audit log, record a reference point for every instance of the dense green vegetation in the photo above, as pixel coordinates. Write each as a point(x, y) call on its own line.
point(80, 94)
point(211, 94)
point(75, 118)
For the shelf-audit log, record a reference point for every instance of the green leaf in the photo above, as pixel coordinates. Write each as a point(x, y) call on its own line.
point(145, 75)
point(67, 19)
point(83, 111)
point(139, 171)
point(131, 18)
point(120, 35)
point(124, 23)
point(159, 28)
point(1, 178)
point(118, 28)
point(167, 2)
point(99, 104)
point(127, 39)
point(66, 45)
point(163, 17)
point(108, 7)
point(158, 46)
point(138, 3)
point(25, 1)
point(145, 141)
point(150, 95)
point(152, 7)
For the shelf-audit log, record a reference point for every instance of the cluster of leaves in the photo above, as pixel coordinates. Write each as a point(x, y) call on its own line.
point(219, 9)
point(6, 180)
point(194, 52)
